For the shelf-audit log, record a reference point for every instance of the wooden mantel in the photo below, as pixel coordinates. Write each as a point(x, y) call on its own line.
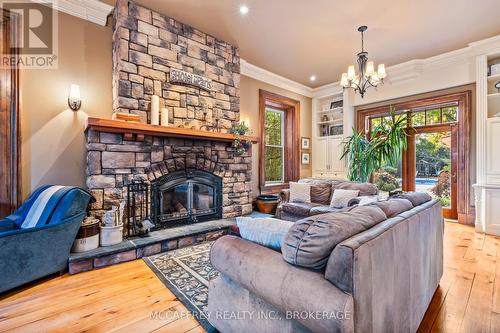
point(140, 129)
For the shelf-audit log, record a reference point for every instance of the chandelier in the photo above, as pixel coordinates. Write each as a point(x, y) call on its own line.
point(367, 77)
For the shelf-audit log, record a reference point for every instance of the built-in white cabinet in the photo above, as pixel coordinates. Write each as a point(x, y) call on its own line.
point(332, 120)
point(487, 188)
point(329, 151)
point(492, 156)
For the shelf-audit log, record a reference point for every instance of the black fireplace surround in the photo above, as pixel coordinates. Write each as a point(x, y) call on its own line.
point(186, 196)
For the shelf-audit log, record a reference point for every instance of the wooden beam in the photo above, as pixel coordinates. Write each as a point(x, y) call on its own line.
point(140, 129)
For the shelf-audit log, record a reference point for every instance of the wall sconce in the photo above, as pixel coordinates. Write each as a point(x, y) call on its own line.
point(74, 99)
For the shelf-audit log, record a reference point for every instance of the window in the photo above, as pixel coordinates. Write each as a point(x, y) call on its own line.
point(419, 118)
point(435, 115)
point(279, 150)
point(437, 156)
point(274, 152)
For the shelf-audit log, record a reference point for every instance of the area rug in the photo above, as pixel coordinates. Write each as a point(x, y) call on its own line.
point(186, 272)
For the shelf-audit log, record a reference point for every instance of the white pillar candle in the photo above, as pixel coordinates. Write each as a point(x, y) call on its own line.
point(155, 110)
point(164, 117)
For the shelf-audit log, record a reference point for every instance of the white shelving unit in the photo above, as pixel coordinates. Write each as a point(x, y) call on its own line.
point(329, 123)
point(487, 189)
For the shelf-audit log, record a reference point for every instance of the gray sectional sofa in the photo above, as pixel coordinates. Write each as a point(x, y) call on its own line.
point(364, 269)
point(321, 194)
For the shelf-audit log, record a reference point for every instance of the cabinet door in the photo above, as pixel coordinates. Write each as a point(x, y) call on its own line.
point(493, 158)
point(320, 157)
point(335, 148)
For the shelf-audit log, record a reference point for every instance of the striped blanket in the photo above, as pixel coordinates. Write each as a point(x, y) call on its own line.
point(40, 206)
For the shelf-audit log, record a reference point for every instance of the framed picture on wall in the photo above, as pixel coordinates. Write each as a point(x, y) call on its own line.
point(305, 143)
point(306, 157)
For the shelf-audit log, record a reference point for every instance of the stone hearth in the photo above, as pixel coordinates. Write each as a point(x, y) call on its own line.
point(156, 242)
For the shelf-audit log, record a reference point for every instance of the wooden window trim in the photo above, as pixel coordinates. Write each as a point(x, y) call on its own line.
point(10, 168)
point(465, 210)
point(292, 138)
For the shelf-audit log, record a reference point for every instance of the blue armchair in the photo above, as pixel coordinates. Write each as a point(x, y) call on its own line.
point(36, 239)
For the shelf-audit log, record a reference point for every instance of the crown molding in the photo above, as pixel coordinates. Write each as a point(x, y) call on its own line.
point(328, 90)
point(488, 46)
point(266, 76)
point(400, 73)
point(91, 10)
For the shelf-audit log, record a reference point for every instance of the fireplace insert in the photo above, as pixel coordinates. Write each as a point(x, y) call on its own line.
point(186, 196)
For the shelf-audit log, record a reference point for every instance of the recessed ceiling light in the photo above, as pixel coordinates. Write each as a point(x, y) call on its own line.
point(312, 78)
point(243, 10)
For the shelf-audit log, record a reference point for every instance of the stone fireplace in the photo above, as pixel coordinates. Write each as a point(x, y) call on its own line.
point(112, 163)
point(191, 179)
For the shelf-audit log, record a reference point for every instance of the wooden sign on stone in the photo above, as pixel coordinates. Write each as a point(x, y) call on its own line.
point(178, 76)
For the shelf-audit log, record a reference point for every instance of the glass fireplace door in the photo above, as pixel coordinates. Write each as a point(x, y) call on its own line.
point(186, 196)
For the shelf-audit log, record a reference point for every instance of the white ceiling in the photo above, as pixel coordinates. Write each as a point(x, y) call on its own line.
point(298, 38)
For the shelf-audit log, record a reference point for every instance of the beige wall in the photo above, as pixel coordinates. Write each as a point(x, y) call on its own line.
point(249, 100)
point(53, 145)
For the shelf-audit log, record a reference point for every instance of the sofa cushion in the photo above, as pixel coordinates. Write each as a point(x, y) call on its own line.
point(298, 208)
point(323, 209)
point(364, 189)
point(416, 198)
point(394, 207)
point(363, 201)
point(310, 241)
point(315, 181)
point(341, 198)
point(321, 193)
point(268, 232)
point(300, 192)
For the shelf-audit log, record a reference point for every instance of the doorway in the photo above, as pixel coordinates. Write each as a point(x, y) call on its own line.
point(436, 160)
point(433, 154)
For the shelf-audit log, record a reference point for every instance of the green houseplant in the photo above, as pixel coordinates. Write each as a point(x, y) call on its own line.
point(240, 146)
point(384, 146)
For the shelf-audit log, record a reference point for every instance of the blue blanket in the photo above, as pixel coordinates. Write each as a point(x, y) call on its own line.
point(40, 206)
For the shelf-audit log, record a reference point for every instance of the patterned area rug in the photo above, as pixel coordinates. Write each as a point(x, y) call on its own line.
point(186, 272)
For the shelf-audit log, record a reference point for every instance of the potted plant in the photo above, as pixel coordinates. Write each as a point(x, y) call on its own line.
point(240, 146)
point(385, 146)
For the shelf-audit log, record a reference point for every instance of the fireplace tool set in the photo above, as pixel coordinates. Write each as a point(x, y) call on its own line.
point(138, 222)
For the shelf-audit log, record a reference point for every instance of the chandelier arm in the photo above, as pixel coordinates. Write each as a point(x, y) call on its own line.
point(354, 85)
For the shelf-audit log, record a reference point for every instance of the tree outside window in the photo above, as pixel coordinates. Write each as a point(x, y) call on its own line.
point(274, 146)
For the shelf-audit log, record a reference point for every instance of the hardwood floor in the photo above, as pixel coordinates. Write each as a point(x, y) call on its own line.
point(121, 298)
point(468, 298)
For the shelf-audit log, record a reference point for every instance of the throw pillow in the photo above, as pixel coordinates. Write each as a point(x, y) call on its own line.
point(300, 192)
point(416, 198)
point(368, 200)
point(320, 193)
point(341, 198)
point(268, 232)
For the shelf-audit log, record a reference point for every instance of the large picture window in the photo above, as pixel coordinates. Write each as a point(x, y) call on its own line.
point(436, 159)
point(274, 152)
point(279, 151)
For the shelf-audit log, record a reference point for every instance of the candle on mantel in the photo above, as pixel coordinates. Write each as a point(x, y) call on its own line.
point(155, 110)
point(164, 117)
